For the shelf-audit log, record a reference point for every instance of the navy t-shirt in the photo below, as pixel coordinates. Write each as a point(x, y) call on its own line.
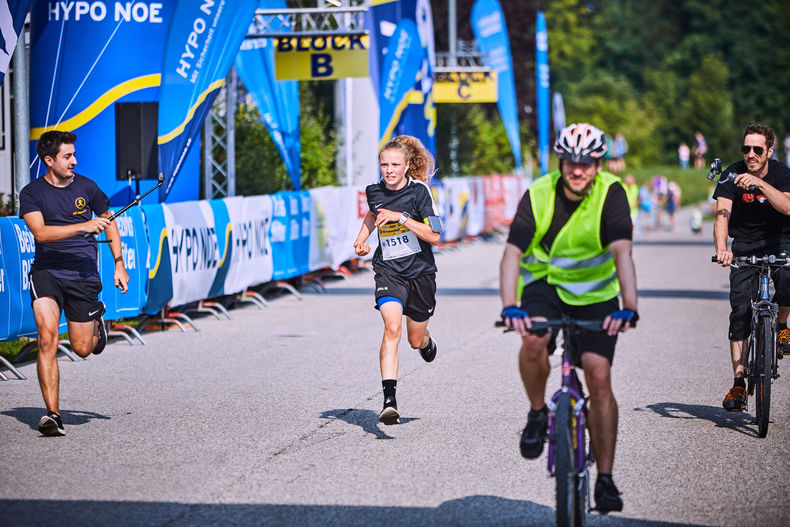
point(400, 251)
point(753, 217)
point(73, 258)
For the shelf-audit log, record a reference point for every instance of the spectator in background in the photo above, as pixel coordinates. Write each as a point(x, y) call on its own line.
point(621, 146)
point(787, 150)
point(632, 194)
point(700, 149)
point(684, 154)
point(645, 219)
point(672, 203)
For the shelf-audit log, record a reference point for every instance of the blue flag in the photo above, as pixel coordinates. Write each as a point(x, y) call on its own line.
point(278, 101)
point(202, 41)
point(414, 113)
point(542, 89)
point(12, 18)
point(490, 30)
point(402, 64)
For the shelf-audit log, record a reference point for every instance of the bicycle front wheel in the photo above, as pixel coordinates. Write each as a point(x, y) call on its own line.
point(570, 503)
point(764, 353)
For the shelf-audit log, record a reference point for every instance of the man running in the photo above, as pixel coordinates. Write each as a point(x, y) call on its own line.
point(57, 209)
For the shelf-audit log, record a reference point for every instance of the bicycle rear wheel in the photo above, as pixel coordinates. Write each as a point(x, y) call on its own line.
point(570, 501)
point(764, 352)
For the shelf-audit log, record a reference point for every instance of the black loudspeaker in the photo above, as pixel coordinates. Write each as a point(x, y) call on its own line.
point(135, 140)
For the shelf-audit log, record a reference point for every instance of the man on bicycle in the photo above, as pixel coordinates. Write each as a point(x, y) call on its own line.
point(753, 210)
point(569, 253)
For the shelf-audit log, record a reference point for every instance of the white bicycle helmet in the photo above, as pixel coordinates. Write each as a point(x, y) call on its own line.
point(580, 143)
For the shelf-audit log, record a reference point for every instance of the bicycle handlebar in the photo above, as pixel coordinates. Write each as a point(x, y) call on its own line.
point(768, 259)
point(559, 323)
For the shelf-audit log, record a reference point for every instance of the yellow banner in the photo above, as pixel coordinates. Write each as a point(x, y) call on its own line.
point(321, 58)
point(464, 86)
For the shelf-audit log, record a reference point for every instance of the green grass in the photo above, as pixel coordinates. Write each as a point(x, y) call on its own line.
point(694, 185)
point(9, 349)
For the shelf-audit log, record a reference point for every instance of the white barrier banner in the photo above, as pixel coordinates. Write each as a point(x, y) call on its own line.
point(474, 211)
point(322, 199)
point(194, 256)
point(251, 256)
point(456, 193)
point(511, 186)
point(343, 209)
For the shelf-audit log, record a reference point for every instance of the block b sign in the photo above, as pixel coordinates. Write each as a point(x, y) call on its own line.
point(321, 58)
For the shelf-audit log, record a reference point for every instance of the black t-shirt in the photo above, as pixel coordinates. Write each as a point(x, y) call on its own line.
point(615, 220)
point(73, 258)
point(396, 243)
point(753, 217)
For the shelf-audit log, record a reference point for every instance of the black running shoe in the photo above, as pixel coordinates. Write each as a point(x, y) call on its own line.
point(428, 353)
point(102, 330)
point(389, 415)
point(534, 435)
point(51, 425)
point(607, 497)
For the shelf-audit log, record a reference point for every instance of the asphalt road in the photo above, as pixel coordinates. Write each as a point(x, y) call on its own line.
point(271, 418)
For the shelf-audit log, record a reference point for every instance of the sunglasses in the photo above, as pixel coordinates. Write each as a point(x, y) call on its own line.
point(758, 150)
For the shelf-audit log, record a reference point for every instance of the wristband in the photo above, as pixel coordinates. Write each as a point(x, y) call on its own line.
point(118, 259)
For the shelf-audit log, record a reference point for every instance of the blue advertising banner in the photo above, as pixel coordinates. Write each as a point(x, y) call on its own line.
point(202, 40)
point(402, 64)
point(542, 89)
point(301, 224)
point(160, 276)
point(419, 117)
point(223, 230)
point(488, 24)
point(17, 249)
point(277, 101)
point(12, 18)
point(134, 248)
point(280, 236)
point(411, 109)
point(86, 57)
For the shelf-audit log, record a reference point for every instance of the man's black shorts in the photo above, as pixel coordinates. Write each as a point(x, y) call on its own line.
point(744, 283)
point(541, 299)
point(78, 299)
point(416, 295)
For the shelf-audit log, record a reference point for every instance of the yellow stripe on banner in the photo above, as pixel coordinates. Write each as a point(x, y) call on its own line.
point(162, 236)
point(382, 2)
point(100, 104)
point(228, 228)
point(409, 98)
point(162, 139)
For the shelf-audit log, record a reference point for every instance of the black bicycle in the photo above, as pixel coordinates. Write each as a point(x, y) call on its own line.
point(762, 363)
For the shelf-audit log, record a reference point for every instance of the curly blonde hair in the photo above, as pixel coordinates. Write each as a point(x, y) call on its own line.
point(420, 160)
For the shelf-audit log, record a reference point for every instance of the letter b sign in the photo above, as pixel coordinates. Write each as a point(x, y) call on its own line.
point(321, 65)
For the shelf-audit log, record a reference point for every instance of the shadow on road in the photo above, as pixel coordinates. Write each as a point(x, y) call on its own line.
point(30, 416)
point(739, 421)
point(470, 510)
point(368, 420)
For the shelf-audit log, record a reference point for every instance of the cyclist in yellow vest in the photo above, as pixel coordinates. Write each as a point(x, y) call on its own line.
point(569, 252)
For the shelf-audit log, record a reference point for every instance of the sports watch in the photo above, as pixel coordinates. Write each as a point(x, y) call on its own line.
point(404, 217)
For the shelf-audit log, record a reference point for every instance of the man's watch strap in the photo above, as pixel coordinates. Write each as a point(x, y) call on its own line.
point(405, 216)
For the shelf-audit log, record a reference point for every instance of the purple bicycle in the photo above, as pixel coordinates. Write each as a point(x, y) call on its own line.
point(569, 453)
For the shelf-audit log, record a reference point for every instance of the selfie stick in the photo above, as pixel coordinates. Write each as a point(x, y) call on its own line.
point(160, 180)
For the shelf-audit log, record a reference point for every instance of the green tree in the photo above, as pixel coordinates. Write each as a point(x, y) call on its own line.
point(259, 167)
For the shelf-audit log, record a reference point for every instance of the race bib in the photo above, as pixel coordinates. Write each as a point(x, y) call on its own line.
point(397, 241)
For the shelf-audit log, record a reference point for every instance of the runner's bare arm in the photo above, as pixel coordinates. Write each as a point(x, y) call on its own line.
point(52, 233)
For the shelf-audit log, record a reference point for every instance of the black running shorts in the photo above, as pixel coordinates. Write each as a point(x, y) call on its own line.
point(77, 298)
point(541, 299)
point(416, 295)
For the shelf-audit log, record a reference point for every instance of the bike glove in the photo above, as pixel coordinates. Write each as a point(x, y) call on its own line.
point(626, 315)
point(514, 312)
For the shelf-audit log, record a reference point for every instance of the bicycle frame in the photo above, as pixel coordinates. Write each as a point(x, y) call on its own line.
point(573, 386)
